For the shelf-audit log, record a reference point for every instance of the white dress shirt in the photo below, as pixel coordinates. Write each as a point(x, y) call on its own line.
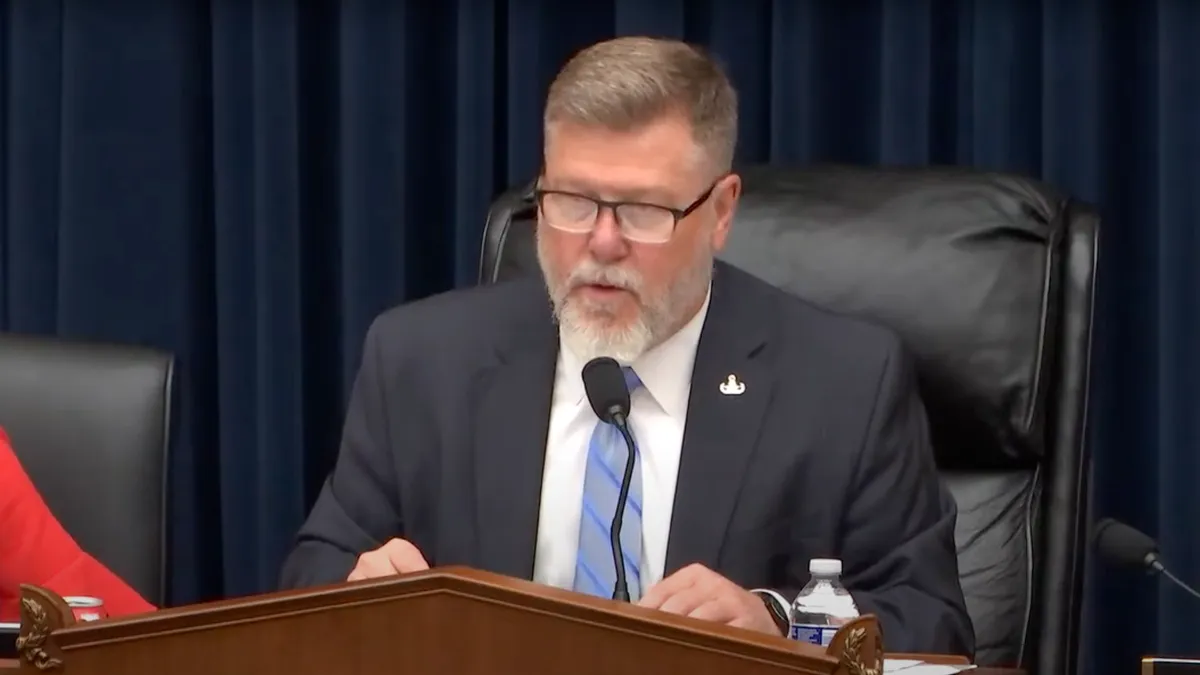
point(658, 412)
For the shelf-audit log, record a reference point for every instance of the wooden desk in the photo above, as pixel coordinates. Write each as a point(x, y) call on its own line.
point(455, 620)
point(10, 666)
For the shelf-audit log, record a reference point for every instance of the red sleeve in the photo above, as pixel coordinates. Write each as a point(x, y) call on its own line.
point(35, 549)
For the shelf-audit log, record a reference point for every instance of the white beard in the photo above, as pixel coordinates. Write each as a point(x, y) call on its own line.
point(587, 327)
point(588, 336)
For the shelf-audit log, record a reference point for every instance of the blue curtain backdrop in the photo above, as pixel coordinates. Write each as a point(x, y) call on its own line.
point(248, 183)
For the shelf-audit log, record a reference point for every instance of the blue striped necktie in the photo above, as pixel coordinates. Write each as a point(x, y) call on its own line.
point(594, 570)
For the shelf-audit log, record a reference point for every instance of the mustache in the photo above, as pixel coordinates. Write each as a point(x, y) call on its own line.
point(590, 272)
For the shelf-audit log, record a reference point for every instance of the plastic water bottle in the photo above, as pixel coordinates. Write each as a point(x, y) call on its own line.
point(823, 605)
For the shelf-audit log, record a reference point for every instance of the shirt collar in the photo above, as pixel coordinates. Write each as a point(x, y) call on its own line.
point(665, 370)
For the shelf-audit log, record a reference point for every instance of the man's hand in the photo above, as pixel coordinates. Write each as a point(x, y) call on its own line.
point(395, 557)
point(701, 593)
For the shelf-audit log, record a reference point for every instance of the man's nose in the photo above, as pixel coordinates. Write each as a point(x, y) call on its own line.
point(606, 243)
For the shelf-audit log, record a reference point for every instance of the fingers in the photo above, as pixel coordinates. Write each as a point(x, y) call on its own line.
point(685, 601)
point(676, 583)
point(719, 610)
point(404, 557)
point(397, 556)
point(754, 623)
point(698, 592)
point(703, 602)
point(370, 566)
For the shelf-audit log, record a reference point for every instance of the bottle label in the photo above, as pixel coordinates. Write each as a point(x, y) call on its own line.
point(813, 634)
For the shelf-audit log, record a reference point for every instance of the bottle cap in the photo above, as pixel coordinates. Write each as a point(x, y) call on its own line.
point(825, 566)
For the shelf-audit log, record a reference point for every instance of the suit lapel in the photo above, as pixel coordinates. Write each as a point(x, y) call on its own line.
point(510, 447)
point(722, 425)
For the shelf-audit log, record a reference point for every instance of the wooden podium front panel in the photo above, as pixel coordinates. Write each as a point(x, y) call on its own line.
point(438, 634)
point(455, 623)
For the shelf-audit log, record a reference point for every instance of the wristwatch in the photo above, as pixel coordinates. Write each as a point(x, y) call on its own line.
point(777, 609)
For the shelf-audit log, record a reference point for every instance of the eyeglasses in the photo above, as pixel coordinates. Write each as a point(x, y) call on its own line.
point(639, 221)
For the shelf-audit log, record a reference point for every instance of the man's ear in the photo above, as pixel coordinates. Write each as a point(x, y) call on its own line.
point(725, 200)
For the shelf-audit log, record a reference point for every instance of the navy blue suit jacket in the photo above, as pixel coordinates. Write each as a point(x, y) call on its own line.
point(826, 454)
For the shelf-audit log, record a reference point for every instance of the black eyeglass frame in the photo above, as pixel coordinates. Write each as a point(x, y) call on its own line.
point(539, 194)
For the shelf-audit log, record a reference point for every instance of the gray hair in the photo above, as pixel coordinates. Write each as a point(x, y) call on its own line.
point(629, 82)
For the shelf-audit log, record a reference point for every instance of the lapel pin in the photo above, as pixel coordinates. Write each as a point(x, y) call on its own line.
point(731, 386)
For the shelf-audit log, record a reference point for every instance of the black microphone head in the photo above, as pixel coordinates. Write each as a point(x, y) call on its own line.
point(1121, 544)
point(606, 389)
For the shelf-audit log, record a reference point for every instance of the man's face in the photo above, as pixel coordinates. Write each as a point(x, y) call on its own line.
point(614, 295)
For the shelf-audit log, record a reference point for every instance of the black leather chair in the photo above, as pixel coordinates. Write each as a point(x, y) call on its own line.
point(90, 424)
point(989, 280)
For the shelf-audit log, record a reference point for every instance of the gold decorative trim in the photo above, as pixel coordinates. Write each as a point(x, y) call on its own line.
point(852, 657)
point(35, 633)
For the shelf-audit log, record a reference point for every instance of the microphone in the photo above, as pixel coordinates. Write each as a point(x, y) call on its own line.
point(609, 395)
point(1125, 546)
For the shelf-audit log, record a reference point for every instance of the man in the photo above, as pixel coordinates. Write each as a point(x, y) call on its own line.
point(768, 431)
